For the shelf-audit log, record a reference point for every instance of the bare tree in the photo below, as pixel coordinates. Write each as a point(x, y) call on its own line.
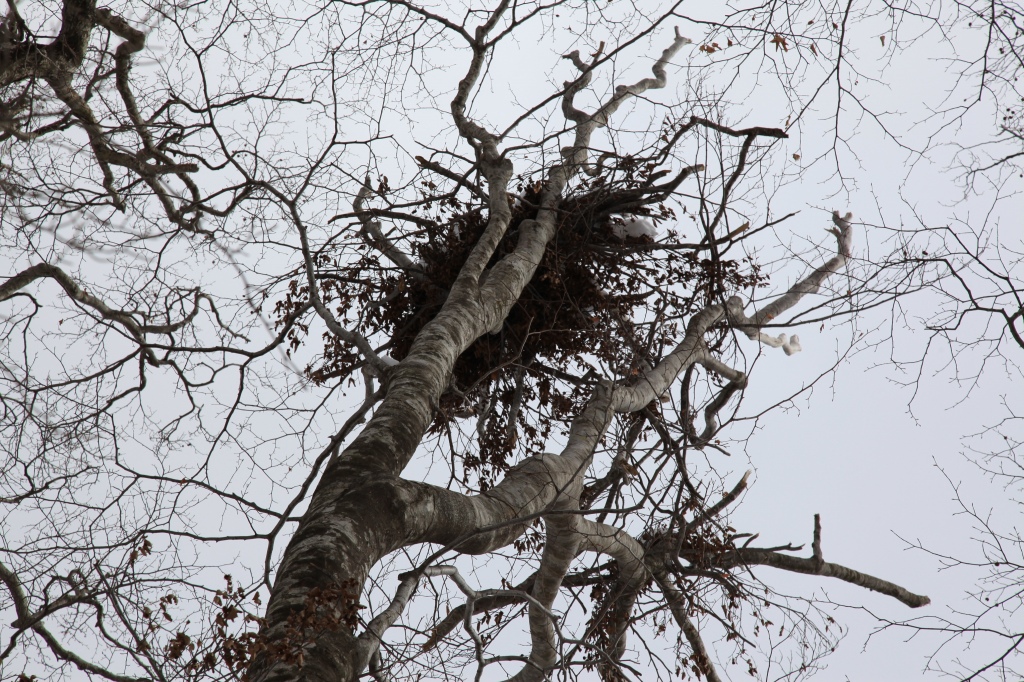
point(972, 330)
point(975, 332)
point(550, 308)
point(993, 73)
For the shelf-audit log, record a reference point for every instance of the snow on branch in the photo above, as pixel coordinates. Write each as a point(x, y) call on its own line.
point(631, 226)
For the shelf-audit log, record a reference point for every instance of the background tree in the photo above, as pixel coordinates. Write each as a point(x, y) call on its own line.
point(971, 333)
point(975, 332)
point(219, 220)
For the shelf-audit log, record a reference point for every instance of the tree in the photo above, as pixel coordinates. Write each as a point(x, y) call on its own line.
point(194, 285)
point(975, 332)
point(971, 330)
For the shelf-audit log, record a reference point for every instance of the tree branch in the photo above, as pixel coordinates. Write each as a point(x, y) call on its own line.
point(752, 325)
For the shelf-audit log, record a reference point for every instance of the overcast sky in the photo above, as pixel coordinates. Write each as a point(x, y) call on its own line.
point(878, 461)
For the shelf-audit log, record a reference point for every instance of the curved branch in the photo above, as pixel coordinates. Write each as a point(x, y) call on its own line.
point(634, 575)
point(346, 335)
point(374, 236)
point(33, 621)
point(138, 331)
point(751, 326)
